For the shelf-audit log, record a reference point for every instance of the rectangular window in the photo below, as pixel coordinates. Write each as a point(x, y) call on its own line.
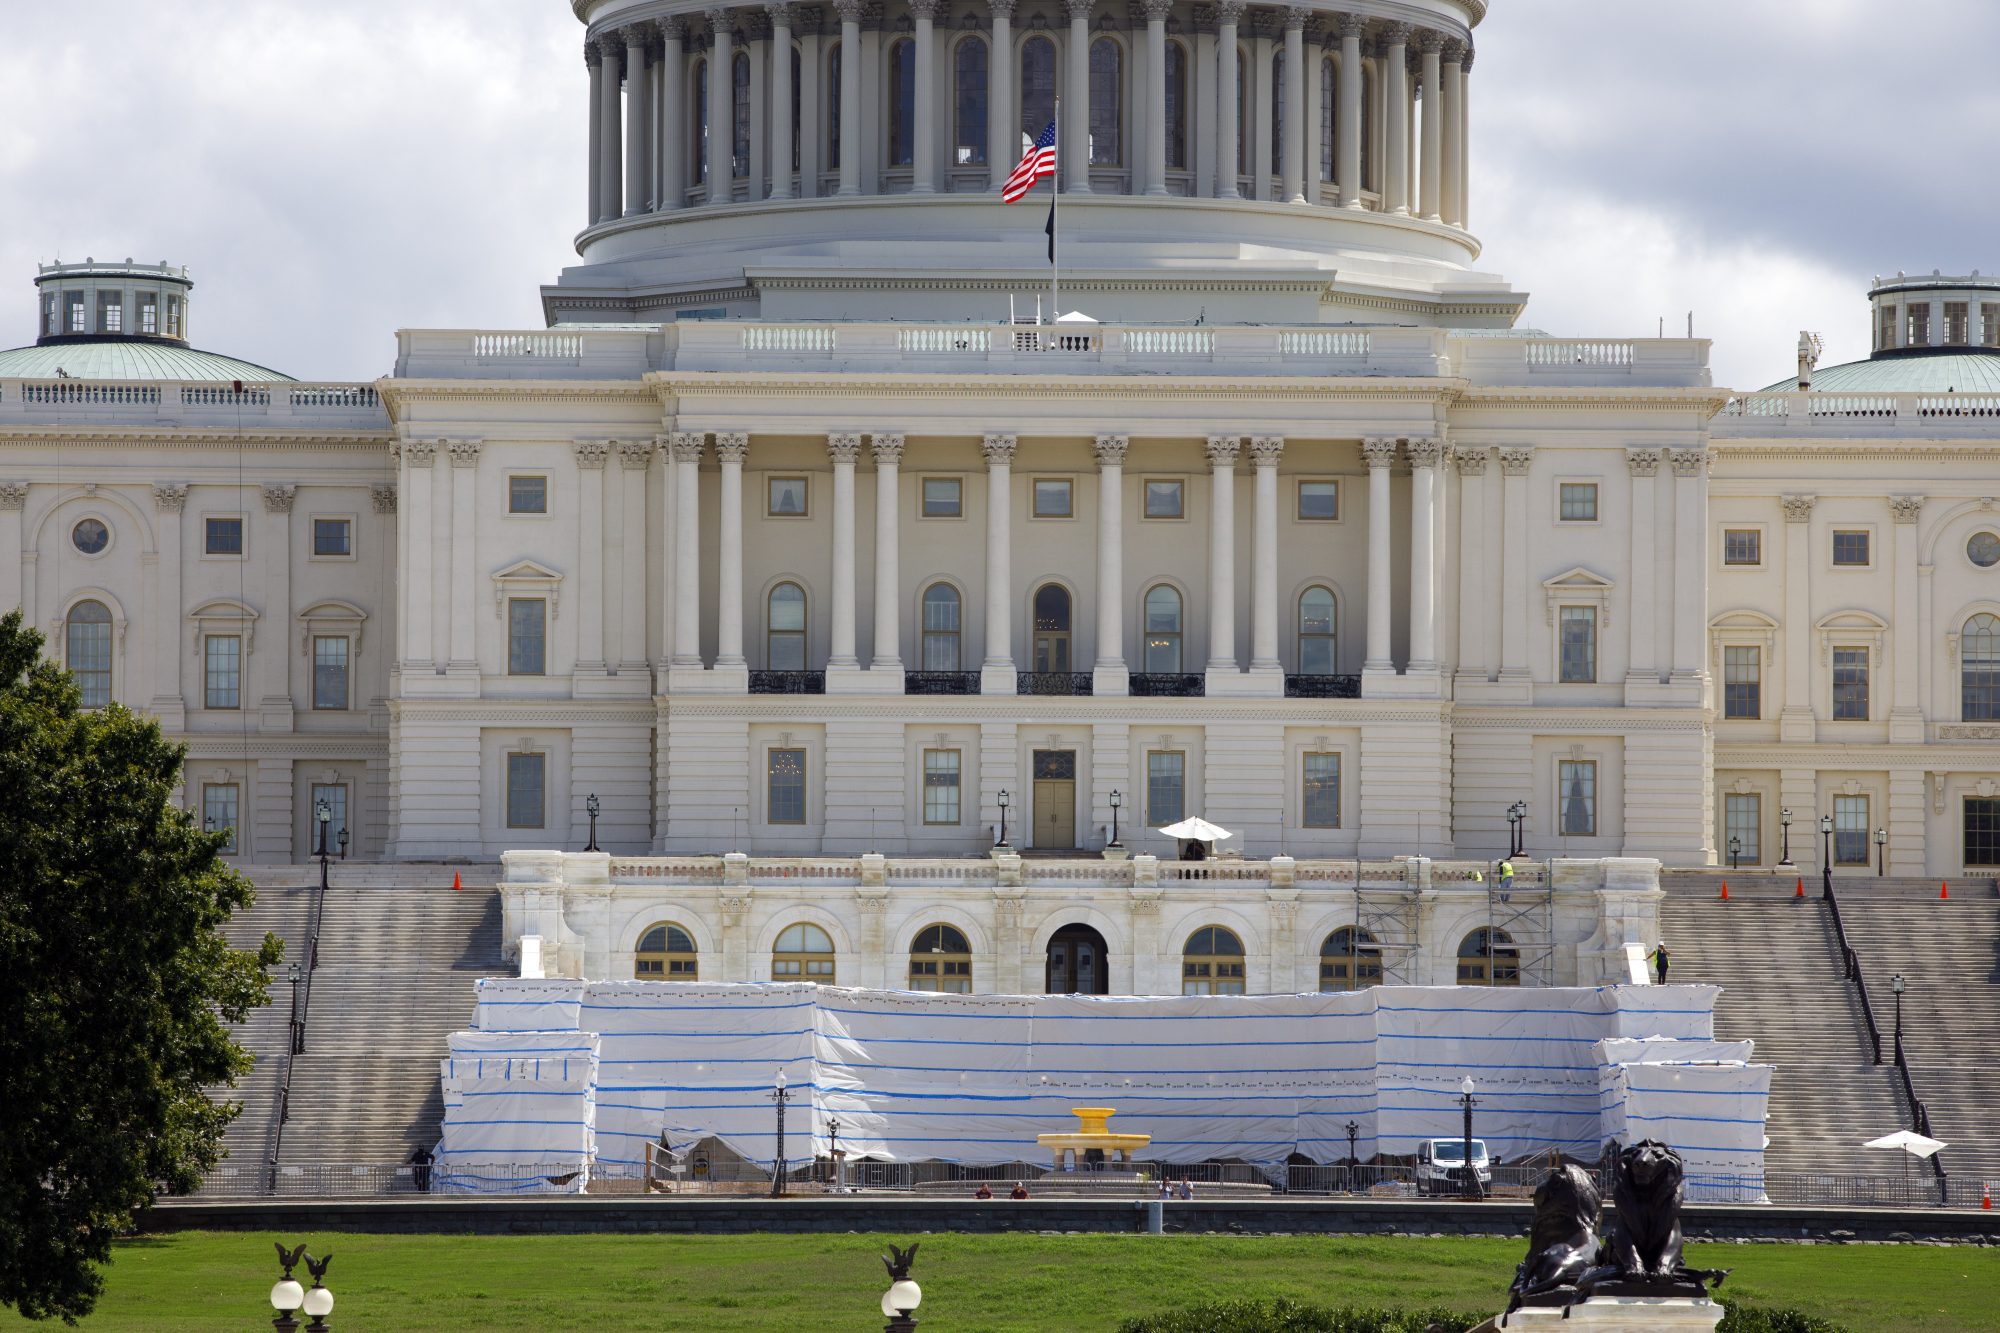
point(944, 497)
point(329, 671)
point(149, 314)
point(787, 497)
point(1850, 830)
point(222, 536)
point(1850, 684)
point(174, 317)
point(218, 811)
point(79, 313)
point(1166, 787)
point(1989, 318)
point(1850, 548)
point(527, 495)
point(1053, 497)
point(1743, 825)
point(1886, 339)
point(110, 312)
point(335, 796)
point(527, 636)
point(1919, 327)
point(1322, 791)
point(1579, 645)
point(1576, 797)
point(1982, 831)
point(51, 317)
point(223, 658)
point(527, 783)
point(1957, 322)
point(1578, 502)
point(1164, 500)
point(1319, 501)
point(941, 786)
point(1742, 546)
point(333, 536)
point(1742, 682)
point(785, 786)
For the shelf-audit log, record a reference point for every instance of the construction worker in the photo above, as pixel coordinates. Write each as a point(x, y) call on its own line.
point(1506, 878)
point(1658, 958)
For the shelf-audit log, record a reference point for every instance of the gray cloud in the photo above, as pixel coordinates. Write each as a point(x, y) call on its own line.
point(335, 172)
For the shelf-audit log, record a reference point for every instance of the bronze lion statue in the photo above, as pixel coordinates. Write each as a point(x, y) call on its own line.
point(1562, 1245)
point(1642, 1254)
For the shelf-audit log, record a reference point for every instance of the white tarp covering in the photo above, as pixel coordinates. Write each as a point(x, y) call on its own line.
point(974, 1078)
point(1709, 1104)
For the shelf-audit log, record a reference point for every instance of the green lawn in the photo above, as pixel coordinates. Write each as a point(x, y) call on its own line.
point(993, 1284)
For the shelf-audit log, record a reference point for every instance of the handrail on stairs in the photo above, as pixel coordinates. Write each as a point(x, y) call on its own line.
point(1850, 962)
point(295, 1039)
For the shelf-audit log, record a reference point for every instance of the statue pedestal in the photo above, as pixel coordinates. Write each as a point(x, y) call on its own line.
point(1616, 1314)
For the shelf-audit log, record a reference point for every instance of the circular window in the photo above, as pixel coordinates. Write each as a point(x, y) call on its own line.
point(1983, 550)
point(90, 536)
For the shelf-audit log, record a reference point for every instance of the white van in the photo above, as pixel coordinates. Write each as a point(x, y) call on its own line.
point(1441, 1166)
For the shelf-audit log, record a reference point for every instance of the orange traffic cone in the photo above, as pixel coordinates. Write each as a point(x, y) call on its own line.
point(1725, 890)
point(1986, 1196)
point(456, 885)
point(1800, 891)
point(1944, 889)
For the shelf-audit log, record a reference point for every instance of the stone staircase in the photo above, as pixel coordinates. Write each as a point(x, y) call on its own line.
point(247, 1142)
point(1778, 964)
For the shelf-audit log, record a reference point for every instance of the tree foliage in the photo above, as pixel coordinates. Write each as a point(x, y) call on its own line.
point(115, 982)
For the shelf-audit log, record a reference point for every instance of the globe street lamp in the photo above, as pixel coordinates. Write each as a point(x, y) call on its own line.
point(1116, 801)
point(1003, 819)
point(1826, 854)
point(318, 1299)
point(1735, 852)
point(1881, 851)
point(1472, 1190)
point(286, 1294)
point(780, 1095)
point(591, 807)
point(833, 1151)
point(1353, 1156)
point(904, 1295)
point(1785, 824)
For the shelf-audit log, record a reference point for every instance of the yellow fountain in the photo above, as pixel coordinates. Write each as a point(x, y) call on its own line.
point(1091, 1132)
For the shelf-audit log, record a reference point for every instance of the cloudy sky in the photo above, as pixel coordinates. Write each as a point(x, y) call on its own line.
point(334, 171)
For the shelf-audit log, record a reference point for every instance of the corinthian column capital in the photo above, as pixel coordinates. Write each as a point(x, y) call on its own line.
point(1111, 450)
point(1222, 450)
point(999, 450)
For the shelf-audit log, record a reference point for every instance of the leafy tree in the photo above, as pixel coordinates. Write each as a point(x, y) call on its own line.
point(114, 981)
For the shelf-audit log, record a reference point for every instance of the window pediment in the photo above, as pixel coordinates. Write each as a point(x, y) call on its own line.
point(1579, 587)
point(223, 615)
point(330, 618)
point(1851, 629)
point(525, 578)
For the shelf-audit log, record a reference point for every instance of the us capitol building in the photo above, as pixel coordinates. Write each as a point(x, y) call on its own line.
point(801, 549)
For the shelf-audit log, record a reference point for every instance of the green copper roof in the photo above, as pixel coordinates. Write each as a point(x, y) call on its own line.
point(1926, 372)
point(127, 359)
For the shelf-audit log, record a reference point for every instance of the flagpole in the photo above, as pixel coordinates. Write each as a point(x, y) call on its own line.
point(1055, 223)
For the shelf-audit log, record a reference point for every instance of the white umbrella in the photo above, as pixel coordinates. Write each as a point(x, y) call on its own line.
point(1197, 829)
point(1917, 1145)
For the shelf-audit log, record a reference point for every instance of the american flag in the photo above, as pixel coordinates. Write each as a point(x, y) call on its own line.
point(1040, 162)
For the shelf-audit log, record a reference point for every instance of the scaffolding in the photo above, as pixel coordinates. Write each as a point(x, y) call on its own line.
point(1389, 918)
point(1526, 914)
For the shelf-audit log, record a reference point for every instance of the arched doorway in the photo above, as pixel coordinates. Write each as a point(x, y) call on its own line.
point(1078, 963)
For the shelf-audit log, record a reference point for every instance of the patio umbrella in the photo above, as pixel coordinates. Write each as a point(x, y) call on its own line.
point(1196, 829)
point(1917, 1145)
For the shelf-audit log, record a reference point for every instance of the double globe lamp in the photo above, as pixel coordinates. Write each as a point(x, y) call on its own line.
point(289, 1297)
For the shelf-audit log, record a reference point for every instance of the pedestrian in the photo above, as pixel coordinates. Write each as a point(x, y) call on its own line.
point(1659, 960)
point(982, 1192)
point(1166, 1187)
point(1187, 1187)
point(1020, 1191)
point(421, 1159)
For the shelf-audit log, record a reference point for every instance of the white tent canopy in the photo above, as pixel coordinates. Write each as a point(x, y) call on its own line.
point(1197, 829)
point(1917, 1145)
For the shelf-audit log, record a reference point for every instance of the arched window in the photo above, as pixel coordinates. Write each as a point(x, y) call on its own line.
point(803, 952)
point(785, 629)
point(1052, 628)
point(1212, 963)
point(969, 103)
point(1318, 619)
point(902, 103)
point(1038, 88)
point(1107, 103)
point(88, 652)
point(832, 117)
point(1163, 632)
point(739, 149)
point(941, 628)
point(1176, 107)
point(665, 953)
point(1979, 668)
point(698, 123)
point(1488, 958)
point(941, 960)
point(1327, 96)
point(1348, 960)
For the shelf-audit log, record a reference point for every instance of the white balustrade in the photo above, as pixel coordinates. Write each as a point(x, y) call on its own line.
point(944, 340)
point(206, 395)
point(501, 346)
point(1878, 405)
point(1552, 352)
point(1323, 342)
point(83, 393)
point(347, 396)
point(1169, 342)
point(1759, 405)
point(790, 338)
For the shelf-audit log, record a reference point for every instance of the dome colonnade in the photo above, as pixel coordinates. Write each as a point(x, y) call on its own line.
point(1153, 108)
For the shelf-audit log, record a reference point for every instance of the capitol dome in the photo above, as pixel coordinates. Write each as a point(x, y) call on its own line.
point(1192, 187)
point(1933, 334)
point(119, 321)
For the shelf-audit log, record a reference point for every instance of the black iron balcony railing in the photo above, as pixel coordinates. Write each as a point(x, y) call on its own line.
point(1175, 686)
point(1322, 687)
point(940, 682)
point(788, 682)
point(1052, 682)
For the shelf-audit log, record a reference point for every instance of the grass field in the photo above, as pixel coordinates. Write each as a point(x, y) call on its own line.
point(972, 1284)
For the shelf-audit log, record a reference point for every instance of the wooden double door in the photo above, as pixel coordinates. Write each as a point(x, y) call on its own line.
point(1055, 800)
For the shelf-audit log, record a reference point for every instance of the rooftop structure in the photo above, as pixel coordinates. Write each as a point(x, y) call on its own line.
point(119, 321)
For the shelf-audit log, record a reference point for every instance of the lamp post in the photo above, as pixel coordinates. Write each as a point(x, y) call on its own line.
point(286, 1294)
point(780, 1095)
point(902, 1298)
point(1003, 819)
point(1353, 1155)
point(1881, 851)
point(297, 975)
point(1517, 837)
point(1826, 855)
point(1735, 852)
point(1896, 985)
point(833, 1149)
point(591, 807)
point(1472, 1190)
point(318, 1299)
point(1116, 801)
point(1785, 826)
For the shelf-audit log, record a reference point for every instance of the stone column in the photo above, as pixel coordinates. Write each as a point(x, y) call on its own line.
point(673, 100)
point(843, 449)
point(416, 636)
point(1795, 715)
point(1431, 45)
point(1003, 134)
point(610, 143)
point(170, 500)
point(464, 556)
point(1294, 128)
point(1465, 140)
point(1347, 163)
point(1475, 647)
point(1075, 151)
point(850, 94)
point(635, 458)
point(1690, 563)
point(1451, 206)
point(731, 447)
point(781, 100)
point(1155, 119)
point(1425, 455)
point(1222, 451)
point(1396, 98)
point(591, 455)
point(1227, 168)
point(1643, 668)
point(888, 558)
point(721, 109)
point(594, 62)
point(1111, 676)
point(1265, 451)
point(275, 704)
point(1906, 718)
point(997, 672)
point(687, 447)
point(638, 119)
point(1380, 455)
point(1515, 463)
point(923, 150)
